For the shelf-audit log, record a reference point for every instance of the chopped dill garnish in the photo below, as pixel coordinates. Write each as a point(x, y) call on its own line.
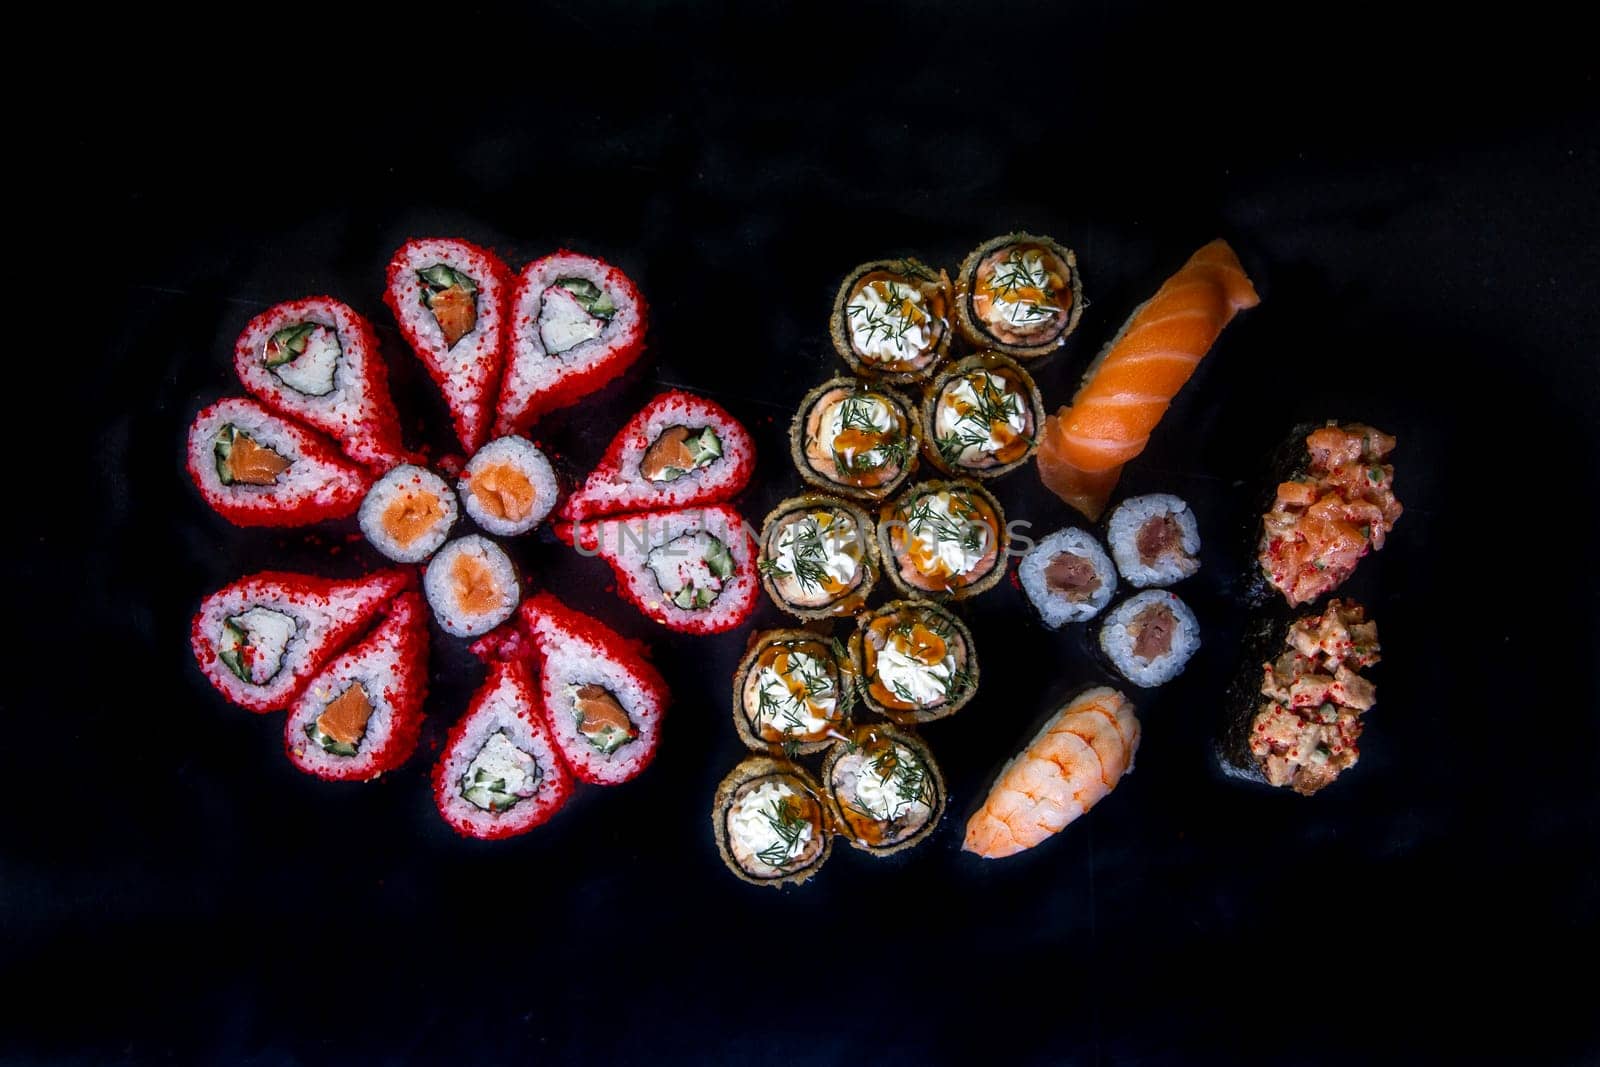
point(788, 825)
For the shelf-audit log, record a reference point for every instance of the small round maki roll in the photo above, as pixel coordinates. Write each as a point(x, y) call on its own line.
point(914, 660)
point(471, 586)
point(408, 513)
point(944, 539)
point(1068, 577)
point(508, 487)
point(981, 417)
point(886, 790)
point(891, 319)
point(1154, 540)
point(792, 692)
point(853, 438)
point(1019, 295)
point(770, 823)
point(819, 556)
point(1149, 637)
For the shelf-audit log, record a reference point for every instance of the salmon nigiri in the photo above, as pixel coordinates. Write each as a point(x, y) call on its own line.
point(1074, 761)
point(1128, 388)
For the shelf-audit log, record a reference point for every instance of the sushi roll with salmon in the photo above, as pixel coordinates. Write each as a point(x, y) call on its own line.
point(693, 570)
point(1154, 539)
point(819, 557)
point(499, 774)
point(792, 693)
point(1068, 577)
point(892, 320)
point(259, 469)
point(1150, 637)
point(508, 487)
point(603, 701)
point(318, 361)
point(914, 661)
point(679, 451)
point(577, 323)
point(855, 439)
point(1019, 295)
point(261, 639)
point(472, 586)
point(450, 298)
point(361, 715)
point(944, 539)
point(770, 822)
point(981, 417)
point(885, 789)
point(408, 513)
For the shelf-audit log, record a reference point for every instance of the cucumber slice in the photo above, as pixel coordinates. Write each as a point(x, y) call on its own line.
point(719, 559)
point(706, 446)
point(288, 343)
point(440, 277)
point(224, 449)
point(329, 745)
point(591, 297)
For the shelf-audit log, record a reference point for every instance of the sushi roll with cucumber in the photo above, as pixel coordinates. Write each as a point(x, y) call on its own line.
point(451, 299)
point(944, 539)
point(855, 439)
point(471, 586)
point(1154, 539)
point(318, 361)
point(261, 639)
point(819, 556)
point(1068, 577)
point(1149, 637)
point(499, 774)
point(509, 486)
point(576, 324)
point(771, 824)
point(885, 788)
point(981, 417)
point(259, 469)
point(792, 693)
point(361, 715)
point(892, 319)
point(604, 703)
point(914, 661)
point(679, 451)
point(408, 513)
point(693, 570)
point(1020, 295)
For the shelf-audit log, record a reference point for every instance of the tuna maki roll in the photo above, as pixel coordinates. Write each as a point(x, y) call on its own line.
point(1068, 577)
point(792, 692)
point(885, 788)
point(471, 586)
point(408, 513)
point(819, 557)
point(914, 661)
point(856, 439)
point(981, 417)
point(892, 319)
point(1149, 637)
point(944, 539)
point(1019, 295)
point(1154, 539)
point(771, 823)
point(508, 487)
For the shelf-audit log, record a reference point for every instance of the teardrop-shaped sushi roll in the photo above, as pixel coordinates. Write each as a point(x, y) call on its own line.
point(360, 716)
point(259, 640)
point(1068, 577)
point(981, 417)
point(1149, 637)
point(259, 469)
point(693, 570)
point(792, 692)
point(914, 661)
point(892, 319)
point(1154, 539)
point(577, 323)
point(853, 438)
point(944, 539)
point(1020, 295)
point(318, 361)
point(819, 556)
point(408, 513)
point(472, 586)
point(886, 790)
point(771, 823)
point(603, 702)
point(509, 486)
point(450, 298)
point(499, 774)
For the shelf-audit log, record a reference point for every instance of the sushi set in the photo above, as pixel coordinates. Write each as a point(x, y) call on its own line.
point(892, 529)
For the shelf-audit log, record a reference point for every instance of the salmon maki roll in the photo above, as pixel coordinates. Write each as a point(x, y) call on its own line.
point(792, 692)
point(1068, 577)
point(1155, 540)
point(509, 486)
point(1071, 764)
point(1019, 295)
point(771, 823)
point(981, 417)
point(472, 586)
point(259, 469)
point(361, 715)
point(892, 320)
point(819, 557)
point(408, 513)
point(914, 661)
point(1150, 637)
point(944, 539)
point(855, 439)
point(499, 775)
point(885, 788)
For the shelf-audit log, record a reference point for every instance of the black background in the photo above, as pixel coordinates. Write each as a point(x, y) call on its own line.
point(1421, 223)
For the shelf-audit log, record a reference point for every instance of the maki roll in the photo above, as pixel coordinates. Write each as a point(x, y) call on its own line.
point(450, 298)
point(408, 514)
point(770, 823)
point(259, 469)
point(576, 324)
point(891, 319)
point(361, 715)
point(819, 557)
point(915, 661)
point(471, 586)
point(886, 790)
point(679, 451)
point(1020, 295)
point(981, 417)
point(1149, 637)
point(693, 571)
point(944, 539)
point(316, 360)
point(853, 438)
point(1154, 539)
point(499, 774)
point(1068, 577)
point(508, 487)
point(792, 692)
point(603, 701)
point(260, 640)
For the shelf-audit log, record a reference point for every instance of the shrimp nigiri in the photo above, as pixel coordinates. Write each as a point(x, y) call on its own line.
point(1074, 761)
point(1128, 388)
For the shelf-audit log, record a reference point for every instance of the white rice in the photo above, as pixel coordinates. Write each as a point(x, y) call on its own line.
point(439, 584)
point(1117, 638)
point(520, 454)
point(504, 708)
point(305, 480)
point(1123, 534)
point(1055, 607)
point(378, 670)
point(571, 661)
point(407, 479)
